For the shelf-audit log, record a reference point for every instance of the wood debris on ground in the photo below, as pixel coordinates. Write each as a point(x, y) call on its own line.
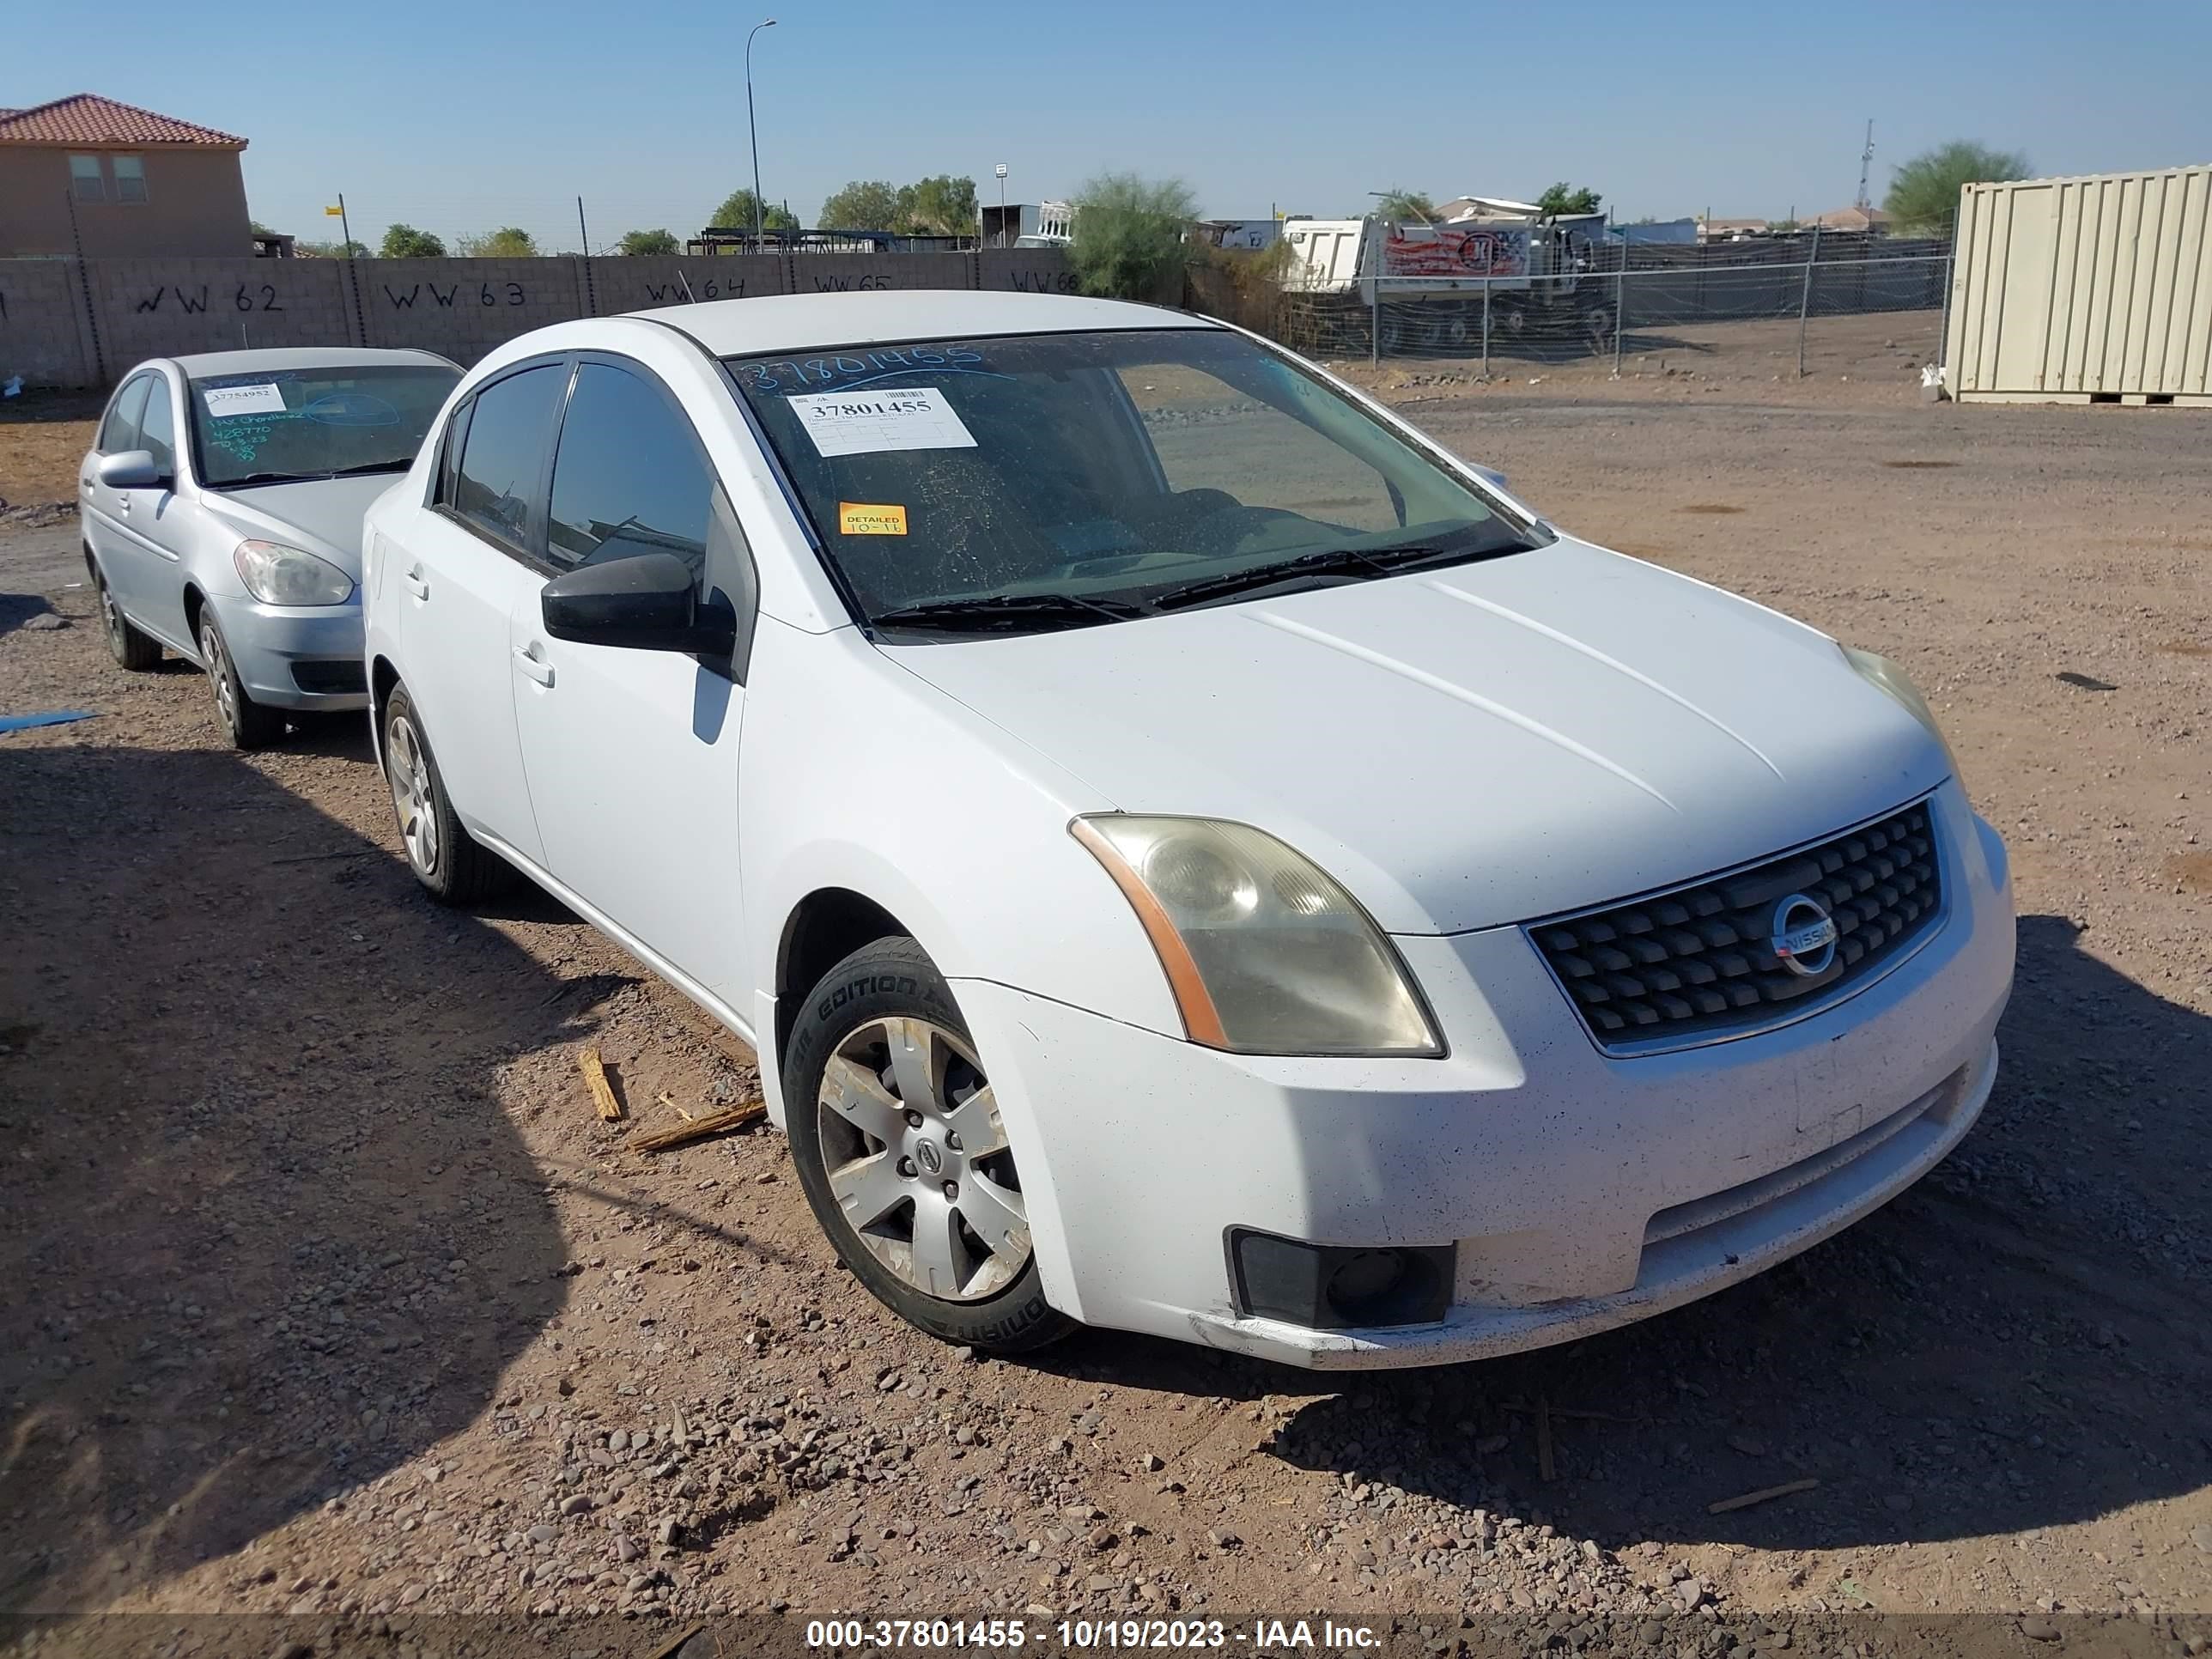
point(1518, 1409)
point(699, 1128)
point(1760, 1497)
point(595, 1079)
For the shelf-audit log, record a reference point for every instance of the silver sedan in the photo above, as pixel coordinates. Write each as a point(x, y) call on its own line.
point(222, 507)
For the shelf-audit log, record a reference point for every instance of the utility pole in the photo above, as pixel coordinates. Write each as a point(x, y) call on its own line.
point(1003, 240)
point(1866, 161)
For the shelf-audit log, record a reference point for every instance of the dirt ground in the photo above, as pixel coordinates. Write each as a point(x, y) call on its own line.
point(328, 1293)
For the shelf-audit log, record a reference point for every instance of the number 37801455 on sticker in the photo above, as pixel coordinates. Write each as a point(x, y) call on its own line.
point(873, 422)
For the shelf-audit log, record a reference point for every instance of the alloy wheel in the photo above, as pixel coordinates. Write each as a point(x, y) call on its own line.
point(218, 673)
point(111, 617)
point(409, 770)
point(917, 1159)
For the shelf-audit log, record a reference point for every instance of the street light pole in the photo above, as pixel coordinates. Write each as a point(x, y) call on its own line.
point(752, 132)
point(1001, 171)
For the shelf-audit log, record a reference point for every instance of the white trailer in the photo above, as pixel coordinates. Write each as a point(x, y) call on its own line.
point(1430, 284)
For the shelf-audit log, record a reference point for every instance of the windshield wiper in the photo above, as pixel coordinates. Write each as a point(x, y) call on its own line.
point(1008, 610)
point(314, 477)
point(1327, 562)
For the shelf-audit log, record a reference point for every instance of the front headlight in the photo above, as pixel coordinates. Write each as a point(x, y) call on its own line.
point(277, 574)
point(1265, 953)
point(1887, 676)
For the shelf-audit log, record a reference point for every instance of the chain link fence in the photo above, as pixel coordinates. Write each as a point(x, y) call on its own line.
point(1618, 303)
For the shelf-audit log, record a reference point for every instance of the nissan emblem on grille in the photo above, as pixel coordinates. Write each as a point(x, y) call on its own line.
point(1804, 935)
point(1746, 949)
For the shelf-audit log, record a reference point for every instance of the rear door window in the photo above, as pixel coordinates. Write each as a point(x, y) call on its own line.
point(503, 454)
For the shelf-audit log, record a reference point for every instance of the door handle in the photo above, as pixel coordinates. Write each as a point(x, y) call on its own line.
point(123, 502)
point(416, 585)
point(535, 666)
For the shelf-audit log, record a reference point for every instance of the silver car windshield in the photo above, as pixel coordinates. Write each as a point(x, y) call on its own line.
point(1016, 484)
point(284, 425)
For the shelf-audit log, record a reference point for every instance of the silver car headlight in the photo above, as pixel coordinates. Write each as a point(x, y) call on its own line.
point(1265, 953)
point(277, 574)
point(1887, 677)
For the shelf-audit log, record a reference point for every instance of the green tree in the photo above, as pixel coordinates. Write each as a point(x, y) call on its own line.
point(1129, 234)
point(736, 213)
point(405, 242)
point(939, 206)
point(1400, 204)
point(509, 242)
point(1564, 198)
point(257, 229)
point(863, 204)
point(1924, 193)
point(330, 250)
point(648, 241)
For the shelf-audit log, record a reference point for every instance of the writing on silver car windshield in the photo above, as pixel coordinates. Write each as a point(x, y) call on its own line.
point(1034, 482)
point(281, 425)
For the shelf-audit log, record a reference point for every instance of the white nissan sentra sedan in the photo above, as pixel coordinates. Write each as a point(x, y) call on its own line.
point(221, 504)
point(1193, 855)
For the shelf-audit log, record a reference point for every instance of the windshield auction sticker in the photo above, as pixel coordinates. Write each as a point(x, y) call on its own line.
point(864, 518)
point(873, 422)
point(224, 401)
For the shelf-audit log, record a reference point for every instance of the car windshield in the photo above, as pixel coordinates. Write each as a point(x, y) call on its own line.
point(280, 426)
point(1018, 484)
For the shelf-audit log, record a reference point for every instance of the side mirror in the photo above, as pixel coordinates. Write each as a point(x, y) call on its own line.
point(129, 469)
point(647, 603)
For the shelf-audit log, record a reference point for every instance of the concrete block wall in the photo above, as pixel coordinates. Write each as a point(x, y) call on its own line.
point(166, 307)
point(141, 308)
point(1026, 271)
point(855, 273)
point(620, 284)
point(462, 309)
point(44, 334)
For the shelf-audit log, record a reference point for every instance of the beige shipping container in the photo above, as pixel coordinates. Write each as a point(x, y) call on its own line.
point(2084, 290)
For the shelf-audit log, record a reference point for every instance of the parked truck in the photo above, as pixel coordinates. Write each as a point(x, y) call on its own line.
point(1538, 279)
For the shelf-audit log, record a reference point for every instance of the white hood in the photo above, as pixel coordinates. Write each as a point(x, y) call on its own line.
point(1481, 744)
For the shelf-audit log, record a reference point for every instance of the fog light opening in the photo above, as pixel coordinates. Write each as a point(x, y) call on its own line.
point(1334, 1287)
point(1364, 1282)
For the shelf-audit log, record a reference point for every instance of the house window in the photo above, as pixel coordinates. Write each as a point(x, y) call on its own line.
point(130, 178)
point(85, 180)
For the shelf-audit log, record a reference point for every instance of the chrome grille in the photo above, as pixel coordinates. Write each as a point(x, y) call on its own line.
point(1697, 962)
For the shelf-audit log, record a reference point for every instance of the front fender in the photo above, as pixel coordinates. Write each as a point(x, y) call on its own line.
point(855, 774)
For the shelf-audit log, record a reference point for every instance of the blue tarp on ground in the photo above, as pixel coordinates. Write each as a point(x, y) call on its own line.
point(57, 717)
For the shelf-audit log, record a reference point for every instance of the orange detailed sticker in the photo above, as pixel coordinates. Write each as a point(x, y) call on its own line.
point(861, 519)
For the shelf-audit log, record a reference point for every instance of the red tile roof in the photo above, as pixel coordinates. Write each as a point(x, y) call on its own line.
point(88, 119)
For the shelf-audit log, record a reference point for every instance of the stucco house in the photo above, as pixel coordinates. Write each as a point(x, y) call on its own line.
point(87, 175)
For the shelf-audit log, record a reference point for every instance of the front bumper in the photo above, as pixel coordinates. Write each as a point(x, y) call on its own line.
point(309, 660)
point(1576, 1191)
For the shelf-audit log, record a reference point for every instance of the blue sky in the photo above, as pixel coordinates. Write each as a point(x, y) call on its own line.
point(457, 115)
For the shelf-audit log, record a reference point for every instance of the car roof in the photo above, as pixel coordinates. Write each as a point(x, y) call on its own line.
point(278, 357)
point(798, 322)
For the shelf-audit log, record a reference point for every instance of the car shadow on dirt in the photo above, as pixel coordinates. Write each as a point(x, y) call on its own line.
point(266, 1233)
point(2016, 1342)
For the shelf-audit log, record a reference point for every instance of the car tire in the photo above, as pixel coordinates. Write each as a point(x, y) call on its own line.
point(453, 867)
point(249, 724)
point(958, 1290)
point(138, 651)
